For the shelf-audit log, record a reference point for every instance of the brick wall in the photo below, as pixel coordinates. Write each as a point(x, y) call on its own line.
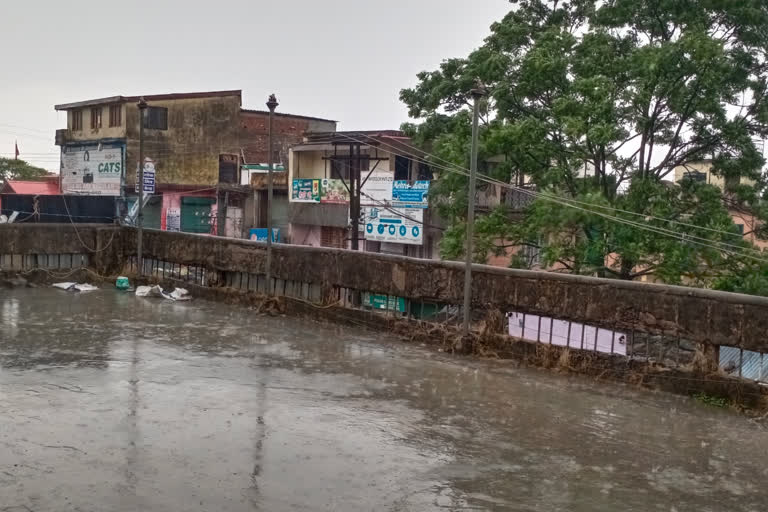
point(288, 130)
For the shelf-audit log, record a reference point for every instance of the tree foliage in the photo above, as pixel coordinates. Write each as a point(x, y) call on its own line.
point(631, 89)
point(11, 169)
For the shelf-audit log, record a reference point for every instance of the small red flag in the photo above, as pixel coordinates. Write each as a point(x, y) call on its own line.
point(17, 151)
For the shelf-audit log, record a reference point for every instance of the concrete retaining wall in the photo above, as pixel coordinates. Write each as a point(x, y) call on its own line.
point(703, 316)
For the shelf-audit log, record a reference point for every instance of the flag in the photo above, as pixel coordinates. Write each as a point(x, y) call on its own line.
point(17, 151)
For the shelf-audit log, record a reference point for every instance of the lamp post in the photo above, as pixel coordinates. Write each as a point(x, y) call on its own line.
point(477, 94)
point(271, 105)
point(140, 216)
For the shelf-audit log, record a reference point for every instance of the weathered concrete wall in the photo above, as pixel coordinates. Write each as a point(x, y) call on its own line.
point(702, 316)
point(102, 244)
point(199, 129)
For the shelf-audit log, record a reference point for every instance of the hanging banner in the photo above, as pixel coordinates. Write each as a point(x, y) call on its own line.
point(377, 188)
point(410, 195)
point(396, 225)
point(333, 191)
point(93, 170)
point(305, 191)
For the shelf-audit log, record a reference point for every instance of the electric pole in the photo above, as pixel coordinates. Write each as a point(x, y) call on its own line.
point(140, 216)
point(271, 105)
point(477, 94)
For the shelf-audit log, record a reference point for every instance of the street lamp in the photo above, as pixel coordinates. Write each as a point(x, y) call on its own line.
point(477, 94)
point(140, 216)
point(271, 105)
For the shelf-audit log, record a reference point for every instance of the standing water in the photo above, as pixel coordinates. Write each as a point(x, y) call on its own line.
point(115, 403)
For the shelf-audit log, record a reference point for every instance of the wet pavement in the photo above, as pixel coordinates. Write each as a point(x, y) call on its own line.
point(114, 403)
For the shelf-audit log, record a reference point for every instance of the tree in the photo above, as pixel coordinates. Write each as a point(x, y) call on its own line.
point(11, 169)
point(630, 89)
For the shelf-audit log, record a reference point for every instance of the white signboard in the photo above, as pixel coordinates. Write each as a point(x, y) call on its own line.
point(173, 219)
point(556, 332)
point(377, 188)
point(396, 225)
point(149, 176)
point(91, 170)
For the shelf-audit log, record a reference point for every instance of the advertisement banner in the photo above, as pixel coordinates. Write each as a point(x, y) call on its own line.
point(377, 188)
point(396, 225)
point(94, 170)
point(390, 303)
point(305, 191)
point(173, 219)
point(333, 191)
point(410, 195)
point(260, 235)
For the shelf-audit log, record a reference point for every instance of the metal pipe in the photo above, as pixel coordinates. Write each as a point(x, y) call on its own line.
point(477, 94)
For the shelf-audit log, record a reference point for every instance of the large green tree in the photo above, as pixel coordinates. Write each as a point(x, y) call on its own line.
point(11, 169)
point(630, 89)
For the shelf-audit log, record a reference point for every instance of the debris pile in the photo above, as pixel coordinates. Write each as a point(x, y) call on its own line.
point(177, 294)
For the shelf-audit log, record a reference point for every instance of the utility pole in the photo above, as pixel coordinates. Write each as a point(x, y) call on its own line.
point(140, 216)
point(477, 94)
point(354, 182)
point(271, 105)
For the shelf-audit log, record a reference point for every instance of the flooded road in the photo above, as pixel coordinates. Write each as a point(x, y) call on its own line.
point(114, 403)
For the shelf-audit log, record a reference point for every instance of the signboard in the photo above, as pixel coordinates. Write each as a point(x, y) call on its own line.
point(390, 303)
point(260, 235)
point(410, 195)
point(397, 225)
point(149, 176)
point(333, 191)
point(548, 330)
point(377, 188)
point(173, 219)
point(305, 191)
point(93, 170)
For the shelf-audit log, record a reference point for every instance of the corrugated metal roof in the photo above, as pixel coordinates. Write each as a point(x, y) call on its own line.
point(754, 366)
point(32, 188)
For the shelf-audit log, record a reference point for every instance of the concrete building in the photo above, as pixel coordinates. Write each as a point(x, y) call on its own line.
point(394, 214)
point(195, 142)
point(744, 220)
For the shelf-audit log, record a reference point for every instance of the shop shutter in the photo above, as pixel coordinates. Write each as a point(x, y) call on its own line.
point(196, 214)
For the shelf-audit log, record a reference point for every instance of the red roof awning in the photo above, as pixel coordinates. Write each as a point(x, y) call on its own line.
point(32, 188)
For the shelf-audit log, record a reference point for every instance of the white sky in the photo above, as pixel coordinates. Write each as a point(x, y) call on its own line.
point(341, 59)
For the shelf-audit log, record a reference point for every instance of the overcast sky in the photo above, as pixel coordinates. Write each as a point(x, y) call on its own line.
point(341, 59)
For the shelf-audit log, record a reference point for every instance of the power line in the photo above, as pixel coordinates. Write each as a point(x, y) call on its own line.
point(558, 200)
point(454, 167)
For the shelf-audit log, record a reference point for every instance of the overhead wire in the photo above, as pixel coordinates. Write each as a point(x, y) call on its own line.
point(488, 179)
point(658, 230)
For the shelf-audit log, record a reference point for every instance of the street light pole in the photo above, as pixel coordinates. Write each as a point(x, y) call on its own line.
point(271, 105)
point(140, 216)
point(477, 94)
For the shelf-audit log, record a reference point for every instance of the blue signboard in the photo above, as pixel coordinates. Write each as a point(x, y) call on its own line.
point(410, 195)
point(260, 235)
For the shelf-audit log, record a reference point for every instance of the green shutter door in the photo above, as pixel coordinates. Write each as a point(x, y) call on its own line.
point(152, 211)
point(196, 214)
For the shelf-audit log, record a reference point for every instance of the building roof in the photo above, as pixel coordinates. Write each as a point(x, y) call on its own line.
point(281, 114)
point(151, 97)
point(48, 187)
point(388, 140)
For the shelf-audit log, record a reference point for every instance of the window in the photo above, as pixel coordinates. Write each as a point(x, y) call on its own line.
point(115, 115)
point(740, 227)
point(700, 177)
point(156, 118)
point(77, 120)
point(402, 168)
point(333, 237)
point(95, 118)
point(425, 172)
